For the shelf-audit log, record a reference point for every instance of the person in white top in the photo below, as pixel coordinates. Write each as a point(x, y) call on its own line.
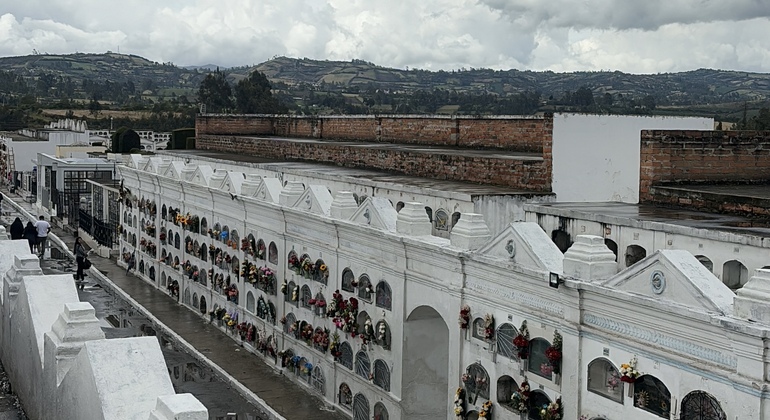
point(43, 227)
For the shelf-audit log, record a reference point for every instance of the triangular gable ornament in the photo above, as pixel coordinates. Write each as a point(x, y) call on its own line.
point(376, 212)
point(232, 183)
point(315, 199)
point(678, 277)
point(525, 244)
point(269, 190)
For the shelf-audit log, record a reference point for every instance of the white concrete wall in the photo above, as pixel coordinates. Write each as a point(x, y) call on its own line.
point(43, 328)
point(596, 157)
point(718, 247)
point(427, 271)
point(41, 299)
point(115, 379)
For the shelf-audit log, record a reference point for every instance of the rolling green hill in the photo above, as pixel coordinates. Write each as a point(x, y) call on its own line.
point(133, 82)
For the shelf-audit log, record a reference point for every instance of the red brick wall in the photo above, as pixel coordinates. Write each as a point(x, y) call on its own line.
point(529, 175)
point(710, 201)
point(505, 133)
point(428, 131)
point(234, 124)
point(349, 128)
point(692, 157)
point(525, 134)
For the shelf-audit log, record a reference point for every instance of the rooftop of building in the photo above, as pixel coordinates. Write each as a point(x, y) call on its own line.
point(654, 217)
point(368, 177)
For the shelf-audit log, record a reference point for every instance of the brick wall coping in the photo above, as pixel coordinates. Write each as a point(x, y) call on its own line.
point(657, 218)
point(413, 148)
point(385, 116)
point(454, 190)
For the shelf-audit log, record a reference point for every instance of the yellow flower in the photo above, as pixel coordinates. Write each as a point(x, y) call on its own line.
point(458, 410)
point(322, 267)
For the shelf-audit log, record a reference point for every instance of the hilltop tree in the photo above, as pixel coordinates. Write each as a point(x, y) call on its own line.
point(215, 93)
point(253, 96)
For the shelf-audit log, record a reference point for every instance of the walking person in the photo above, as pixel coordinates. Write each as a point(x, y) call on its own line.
point(80, 258)
point(131, 263)
point(30, 234)
point(43, 228)
point(17, 229)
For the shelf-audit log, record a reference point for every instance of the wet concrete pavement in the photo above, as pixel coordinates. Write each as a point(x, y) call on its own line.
point(118, 319)
point(650, 213)
point(284, 396)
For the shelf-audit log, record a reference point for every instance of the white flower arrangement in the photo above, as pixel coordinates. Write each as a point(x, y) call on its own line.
point(628, 370)
point(459, 408)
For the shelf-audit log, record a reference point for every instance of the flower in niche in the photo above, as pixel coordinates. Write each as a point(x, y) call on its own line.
point(486, 410)
point(628, 371)
point(465, 316)
point(521, 341)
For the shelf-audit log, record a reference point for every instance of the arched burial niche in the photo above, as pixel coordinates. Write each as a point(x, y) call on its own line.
point(612, 246)
point(634, 254)
point(699, 405)
point(562, 240)
point(537, 398)
point(734, 274)
point(425, 377)
point(604, 379)
point(706, 261)
point(651, 395)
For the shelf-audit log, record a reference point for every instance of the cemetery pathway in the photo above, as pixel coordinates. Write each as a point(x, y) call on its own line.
point(282, 395)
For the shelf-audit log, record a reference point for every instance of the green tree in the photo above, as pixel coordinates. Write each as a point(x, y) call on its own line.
point(115, 139)
point(253, 95)
point(94, 107)
point(649, 102)
point(215, 93)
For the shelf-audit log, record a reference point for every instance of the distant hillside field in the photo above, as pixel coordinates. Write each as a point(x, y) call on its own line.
point(119, 81)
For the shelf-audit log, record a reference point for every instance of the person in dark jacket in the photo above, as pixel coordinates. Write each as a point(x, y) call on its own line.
point(17, 229)
point(80, 258)
point(30, 234)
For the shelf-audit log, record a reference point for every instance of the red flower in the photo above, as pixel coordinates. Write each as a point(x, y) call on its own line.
point(520, 341)
point(553, 354)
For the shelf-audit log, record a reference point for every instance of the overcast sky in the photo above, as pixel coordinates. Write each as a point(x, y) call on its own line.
point(635, 36)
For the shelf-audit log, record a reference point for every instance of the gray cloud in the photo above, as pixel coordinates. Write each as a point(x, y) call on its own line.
point(561, 35)
point(623, 14)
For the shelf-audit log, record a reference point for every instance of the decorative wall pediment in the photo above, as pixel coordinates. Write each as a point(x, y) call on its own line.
point(269, 190)
point(251, 185)
point(153, 164)
point(678, 277)
point(188, 171)
point(316, 199)
point(376, 212)
point(134, 161)
point(525, 244)
point(174, 170)
point(202, 175)
point(232, 183)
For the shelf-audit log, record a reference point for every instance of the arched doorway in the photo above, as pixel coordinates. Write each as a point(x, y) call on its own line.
point(425, 373)
point(699, 405)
